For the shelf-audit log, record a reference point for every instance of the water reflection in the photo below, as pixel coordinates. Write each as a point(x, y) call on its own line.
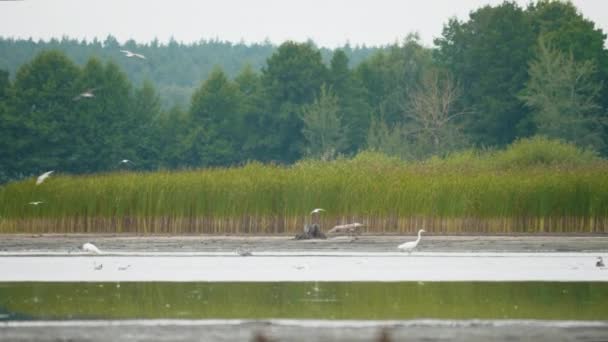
point(315, 300)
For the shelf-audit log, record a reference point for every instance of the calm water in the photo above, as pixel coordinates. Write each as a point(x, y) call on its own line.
point(305, 300)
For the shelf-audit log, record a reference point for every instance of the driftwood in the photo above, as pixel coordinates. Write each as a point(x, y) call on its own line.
point(311, 231)
point(347, 229)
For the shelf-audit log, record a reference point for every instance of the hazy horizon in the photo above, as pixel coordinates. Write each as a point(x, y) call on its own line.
point(327, 24)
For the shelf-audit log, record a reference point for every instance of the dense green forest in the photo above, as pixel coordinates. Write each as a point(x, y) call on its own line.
point(506, 72)
point(175, 68)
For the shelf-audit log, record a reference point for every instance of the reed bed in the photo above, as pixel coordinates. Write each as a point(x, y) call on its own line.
point(520, 190)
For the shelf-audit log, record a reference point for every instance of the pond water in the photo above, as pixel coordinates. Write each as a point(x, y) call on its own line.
point(304, 300)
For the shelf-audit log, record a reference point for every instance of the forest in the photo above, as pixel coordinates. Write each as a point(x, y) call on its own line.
point(504, 74)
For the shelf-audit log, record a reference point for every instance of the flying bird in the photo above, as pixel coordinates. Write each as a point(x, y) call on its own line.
point(126, 161)
point(36, 203)
point(90, 248)
point(316, 211)
point(411, 245)
point(132, 54)
point(87, 94)
point(43, 176)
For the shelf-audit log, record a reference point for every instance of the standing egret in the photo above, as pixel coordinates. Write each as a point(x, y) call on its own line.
point(43, 176)
point(90, 248)
point(411, 245)
point(600, 262)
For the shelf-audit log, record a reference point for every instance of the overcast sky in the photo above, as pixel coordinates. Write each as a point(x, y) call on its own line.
point(327, 22)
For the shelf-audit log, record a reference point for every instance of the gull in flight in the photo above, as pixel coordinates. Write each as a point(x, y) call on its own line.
point(316, 211)
point(36, 203)
point(43, 176)
point(132, 54)
point(90, 248)
point(411, 245)
point(87, 94)
point(126, 161)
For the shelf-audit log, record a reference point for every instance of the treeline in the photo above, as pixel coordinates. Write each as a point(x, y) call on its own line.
point(504, 73)
point(175, 68)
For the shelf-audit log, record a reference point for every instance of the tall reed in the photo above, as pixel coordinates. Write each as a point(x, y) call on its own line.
point(471, 192)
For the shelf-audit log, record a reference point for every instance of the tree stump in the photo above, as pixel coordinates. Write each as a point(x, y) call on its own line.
point(311, 231)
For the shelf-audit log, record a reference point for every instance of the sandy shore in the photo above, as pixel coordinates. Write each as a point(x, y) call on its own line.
point(378, 243)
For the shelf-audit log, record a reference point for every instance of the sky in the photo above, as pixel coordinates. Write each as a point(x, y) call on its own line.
point(328, 23)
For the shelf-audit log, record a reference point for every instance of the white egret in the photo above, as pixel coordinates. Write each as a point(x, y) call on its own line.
point(600, 262)
point(132, 54)
point(316, 211)
point(126, 161)
point(36, 203)
point(43, 176)
point(87, 94)
point(411, 245)
point(90, 248)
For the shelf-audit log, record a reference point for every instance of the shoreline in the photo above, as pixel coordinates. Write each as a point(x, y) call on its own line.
point(69, 243)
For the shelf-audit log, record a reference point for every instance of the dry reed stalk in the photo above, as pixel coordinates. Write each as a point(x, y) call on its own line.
point(287, 225)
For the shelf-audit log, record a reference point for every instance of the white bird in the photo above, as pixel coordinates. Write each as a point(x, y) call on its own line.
point(600, 262)
point(87, 94)
point(90, 248)
point(411, 245)
point(43, 176)
point(318, 210)
point(132, 54)
point(126, 161)
point(243, 252)
point(36, 202)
